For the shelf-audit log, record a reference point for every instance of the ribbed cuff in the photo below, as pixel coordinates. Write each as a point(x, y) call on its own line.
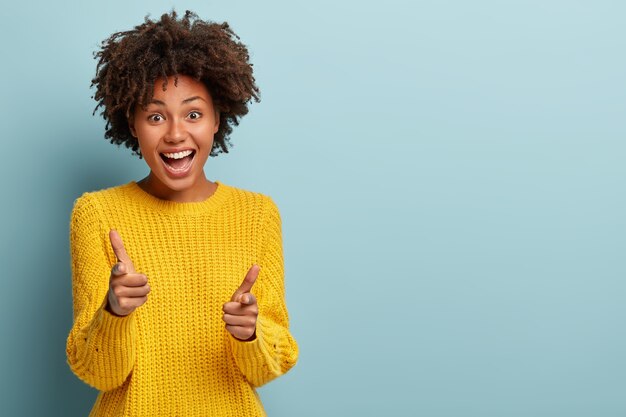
point(110, 348)
point(254, 348)
point(116, 328)
point(266, 357)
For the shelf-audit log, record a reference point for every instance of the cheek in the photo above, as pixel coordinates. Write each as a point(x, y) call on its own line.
point(148, 150)
point(204, 131)
point(152, 159)
point(144, 146)
point(148, 138)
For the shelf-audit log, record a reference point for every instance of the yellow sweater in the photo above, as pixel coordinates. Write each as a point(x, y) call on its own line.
point(173, 355)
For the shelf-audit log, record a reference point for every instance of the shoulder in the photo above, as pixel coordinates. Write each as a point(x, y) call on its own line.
point(258, 207)
point(88, 204)
point(251, 200)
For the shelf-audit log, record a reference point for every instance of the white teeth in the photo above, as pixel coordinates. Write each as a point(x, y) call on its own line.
point(178, 155)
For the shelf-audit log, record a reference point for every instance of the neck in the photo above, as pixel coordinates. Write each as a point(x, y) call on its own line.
point(200, 190)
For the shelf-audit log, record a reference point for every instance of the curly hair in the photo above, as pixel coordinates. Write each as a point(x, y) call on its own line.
point(130, 63)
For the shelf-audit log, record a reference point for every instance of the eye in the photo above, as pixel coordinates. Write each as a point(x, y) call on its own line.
point(155, 118)
point(194, 115)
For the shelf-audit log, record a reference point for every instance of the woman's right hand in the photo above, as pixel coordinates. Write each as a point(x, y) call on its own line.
point(127, 289)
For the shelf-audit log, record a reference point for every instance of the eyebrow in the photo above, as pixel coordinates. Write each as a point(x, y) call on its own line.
point(185, 101)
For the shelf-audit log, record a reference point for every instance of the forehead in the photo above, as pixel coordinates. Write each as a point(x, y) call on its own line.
point(185, 87)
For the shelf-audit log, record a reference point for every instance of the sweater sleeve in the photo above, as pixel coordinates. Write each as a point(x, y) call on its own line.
point(100, 346)
point(274, 350)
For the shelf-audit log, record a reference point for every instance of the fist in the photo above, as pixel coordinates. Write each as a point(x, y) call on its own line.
point(240, 313)
point(127, 289)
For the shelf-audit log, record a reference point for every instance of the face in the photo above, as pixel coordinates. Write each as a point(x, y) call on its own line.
point(175, 133)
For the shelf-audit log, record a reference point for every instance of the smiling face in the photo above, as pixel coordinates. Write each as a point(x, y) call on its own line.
point(175, 134)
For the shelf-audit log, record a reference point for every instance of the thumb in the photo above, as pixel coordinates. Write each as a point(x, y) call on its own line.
point(119, 269)
point(247, 283)
point(120, 251)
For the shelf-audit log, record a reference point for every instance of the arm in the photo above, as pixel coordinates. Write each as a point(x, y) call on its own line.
point(100, 346)
point(274, 350)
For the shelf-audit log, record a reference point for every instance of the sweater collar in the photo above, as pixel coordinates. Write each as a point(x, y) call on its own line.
point(175, 207)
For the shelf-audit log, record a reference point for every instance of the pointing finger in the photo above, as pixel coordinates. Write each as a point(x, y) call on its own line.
point(247, 283)
point(120, 251)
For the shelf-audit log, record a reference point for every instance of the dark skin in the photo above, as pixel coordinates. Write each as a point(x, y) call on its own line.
point(128, 290)
point(181, 117)
point(206, 56)
point(206, 51)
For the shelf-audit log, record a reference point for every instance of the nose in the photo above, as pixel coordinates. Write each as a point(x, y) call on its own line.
point(176, 132)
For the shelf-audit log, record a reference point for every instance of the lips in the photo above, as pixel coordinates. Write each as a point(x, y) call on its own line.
point(178, 167)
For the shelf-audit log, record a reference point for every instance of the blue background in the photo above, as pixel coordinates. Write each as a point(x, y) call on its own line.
point(450, 176)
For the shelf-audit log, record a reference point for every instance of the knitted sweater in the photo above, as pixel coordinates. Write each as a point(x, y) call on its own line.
point(173, 356)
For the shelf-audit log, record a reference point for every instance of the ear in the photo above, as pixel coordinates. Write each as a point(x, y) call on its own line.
point(131, 125)
point(217, 121)
point(130, 118)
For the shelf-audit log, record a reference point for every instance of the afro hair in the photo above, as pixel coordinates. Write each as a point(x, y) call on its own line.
point(131, 62)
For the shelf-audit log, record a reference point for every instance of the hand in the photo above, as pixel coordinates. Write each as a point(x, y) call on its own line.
point(127, 289)
point(240, 313)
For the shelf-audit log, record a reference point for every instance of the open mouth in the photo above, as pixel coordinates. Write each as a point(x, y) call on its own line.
point(178, 162)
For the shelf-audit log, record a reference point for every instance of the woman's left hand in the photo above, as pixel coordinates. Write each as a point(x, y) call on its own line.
point(240, 313)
